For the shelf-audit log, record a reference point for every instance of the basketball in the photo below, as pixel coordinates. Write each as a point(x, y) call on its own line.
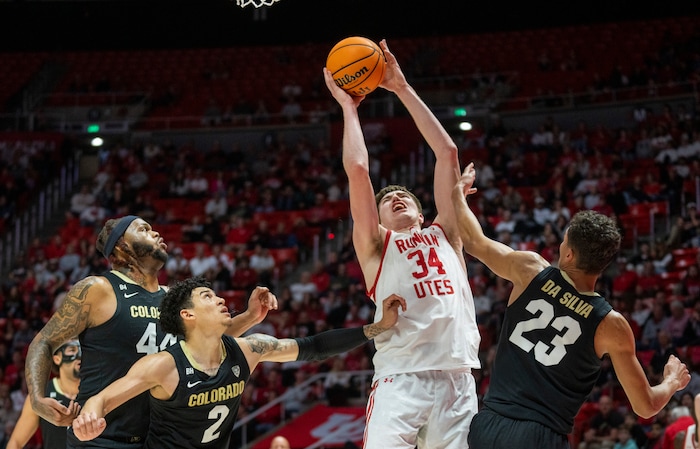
point(357, 65)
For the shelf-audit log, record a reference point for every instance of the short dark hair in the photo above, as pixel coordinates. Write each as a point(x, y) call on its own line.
point(178, 297)
point(393, 188)
point(595, 240)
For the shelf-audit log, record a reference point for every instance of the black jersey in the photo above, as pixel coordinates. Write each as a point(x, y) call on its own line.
point(202, 410)
point(546, 363)
point(53, 437)
point(110, 349)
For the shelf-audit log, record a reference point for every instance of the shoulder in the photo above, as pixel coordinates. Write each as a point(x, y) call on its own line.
point(90, 286)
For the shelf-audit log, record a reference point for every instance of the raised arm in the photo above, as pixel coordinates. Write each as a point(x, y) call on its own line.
point(614, 337)
point(69, 320)
point(519, 267)
point(367, 235)
point(447, 169)
point(148, 373)
point(265, 348)
point(260, 302)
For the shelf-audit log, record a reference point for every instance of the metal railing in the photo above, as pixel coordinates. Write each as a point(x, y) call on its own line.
point(242, 423)
point(30, 222)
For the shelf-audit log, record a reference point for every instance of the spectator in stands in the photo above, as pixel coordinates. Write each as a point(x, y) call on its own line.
point(337, 383)
point(679, 420)
point(663, 349)
point(237, 232)
point(177, 267)
point(655, 323)
point(625, 280)
point(143, 206)
point(264, 264)
point(201, 262)
point(193, 231)
point(603, 426)
point(279, 442)
point(648, 280)
point(291, 110)
point(197, 183)
point(83, 269)
point(178, 186)
point(244, 278)
point(678, 324)
point(300, 394)
point(624, 438)
point(217, 206)
point(137, 179)
point(302, 286)
point(686, 229)
point(640, 312)
point(320, 277)
point(70, 258)
point(81, 200)
point(691, 283)
point(636, 430)
point(212, 113)
point(93, 216)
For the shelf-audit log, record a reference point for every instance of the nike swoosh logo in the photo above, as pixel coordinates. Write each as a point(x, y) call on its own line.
point(129, 295)
point(192, 384)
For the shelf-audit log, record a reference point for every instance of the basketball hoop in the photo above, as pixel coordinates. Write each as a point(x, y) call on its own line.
point(256, 3)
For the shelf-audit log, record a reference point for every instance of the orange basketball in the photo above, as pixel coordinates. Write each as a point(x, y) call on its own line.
point(357, 65)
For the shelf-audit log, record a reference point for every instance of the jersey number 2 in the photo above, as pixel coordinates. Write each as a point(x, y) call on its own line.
point(219, 413)
point(550, 353)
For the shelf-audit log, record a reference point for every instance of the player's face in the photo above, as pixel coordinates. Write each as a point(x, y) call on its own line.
point(71, 351)
point(212, 306)
point(398, 210)
point(146, 242)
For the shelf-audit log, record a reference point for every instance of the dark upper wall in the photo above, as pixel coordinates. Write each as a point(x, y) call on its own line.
point(30, 25)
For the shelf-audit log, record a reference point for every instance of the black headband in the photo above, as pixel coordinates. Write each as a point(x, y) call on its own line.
point(116, 234)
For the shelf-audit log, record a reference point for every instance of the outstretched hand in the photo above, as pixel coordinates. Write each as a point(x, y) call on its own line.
point(88, 426)
point(261, 301)
point(390, 310)
point(55, 412)
point(394, 78)
point(343, 98)
point(466, 181)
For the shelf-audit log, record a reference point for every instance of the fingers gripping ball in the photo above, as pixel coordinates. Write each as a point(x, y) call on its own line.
point(357, 65)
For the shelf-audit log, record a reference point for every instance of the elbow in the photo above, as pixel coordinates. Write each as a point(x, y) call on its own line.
point(648, 409)
point(356, 168)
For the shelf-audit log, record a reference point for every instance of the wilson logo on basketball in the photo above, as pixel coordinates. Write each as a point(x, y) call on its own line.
point(348, 78)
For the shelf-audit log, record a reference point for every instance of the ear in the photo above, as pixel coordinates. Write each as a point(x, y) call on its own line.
point(57, 359)
point(421, 219)
point(187, 314)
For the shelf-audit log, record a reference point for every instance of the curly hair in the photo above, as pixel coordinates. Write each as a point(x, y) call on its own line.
point(393, 188)
point(178, 297)
point(595, 240)
point(104, 234)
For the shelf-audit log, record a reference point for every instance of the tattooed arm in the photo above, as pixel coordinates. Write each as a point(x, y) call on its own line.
point(265, 348)
point(72, 317)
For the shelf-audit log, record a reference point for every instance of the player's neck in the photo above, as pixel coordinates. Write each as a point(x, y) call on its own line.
point(583, 283)
point(207, 357)
point(146, 279)
point(68, 385)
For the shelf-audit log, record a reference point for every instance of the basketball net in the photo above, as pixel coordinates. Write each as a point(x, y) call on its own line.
point(256, 3)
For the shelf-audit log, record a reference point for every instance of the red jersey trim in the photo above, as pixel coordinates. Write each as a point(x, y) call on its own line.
point(370, 292)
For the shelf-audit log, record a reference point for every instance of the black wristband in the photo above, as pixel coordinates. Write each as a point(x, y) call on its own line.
point(330, 343)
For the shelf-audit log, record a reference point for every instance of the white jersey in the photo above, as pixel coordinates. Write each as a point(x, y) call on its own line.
point(438, 331)
point(689, 442)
